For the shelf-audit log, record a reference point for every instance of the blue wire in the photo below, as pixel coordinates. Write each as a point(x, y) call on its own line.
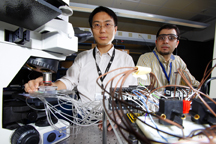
point(144, 97)
point(150, 115)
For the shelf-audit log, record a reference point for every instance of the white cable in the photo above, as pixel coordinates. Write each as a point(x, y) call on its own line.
point(78, 108)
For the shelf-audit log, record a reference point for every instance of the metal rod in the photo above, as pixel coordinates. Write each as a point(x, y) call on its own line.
point(104, 128)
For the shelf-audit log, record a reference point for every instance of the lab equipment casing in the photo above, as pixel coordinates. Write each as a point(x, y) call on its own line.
point(53, 40)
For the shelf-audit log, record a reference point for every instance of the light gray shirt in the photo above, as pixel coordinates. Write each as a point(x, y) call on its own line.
point(150, 60)
point(83, 73)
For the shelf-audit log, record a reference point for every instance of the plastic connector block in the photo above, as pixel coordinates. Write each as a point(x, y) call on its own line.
point(179, 92)
point(171, 109)
point(200, 113)
point(186, 106)
point(128, 89)
point(126, 98)
point(120, 105)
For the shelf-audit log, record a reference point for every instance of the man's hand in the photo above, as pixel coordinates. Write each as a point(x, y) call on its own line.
point(33, 85)
point(109, 126)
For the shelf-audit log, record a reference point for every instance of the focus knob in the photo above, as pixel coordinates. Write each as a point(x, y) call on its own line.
point(25, 135)
point(51, 137)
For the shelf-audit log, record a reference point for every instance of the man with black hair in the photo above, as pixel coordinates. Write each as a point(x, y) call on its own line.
point(162, 61)
point(89, 64)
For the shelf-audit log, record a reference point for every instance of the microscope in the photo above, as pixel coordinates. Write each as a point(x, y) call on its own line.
point(34, 34)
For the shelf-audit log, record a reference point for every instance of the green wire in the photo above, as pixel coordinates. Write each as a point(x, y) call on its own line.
point(151, 93)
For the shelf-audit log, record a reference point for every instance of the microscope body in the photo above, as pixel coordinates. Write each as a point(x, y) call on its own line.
point(28, 29)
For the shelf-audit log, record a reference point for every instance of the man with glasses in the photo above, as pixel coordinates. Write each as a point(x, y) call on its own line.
point(90, 64)
point(162, 61)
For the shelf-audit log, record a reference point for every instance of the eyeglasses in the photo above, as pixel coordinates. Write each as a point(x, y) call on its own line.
point(171, 37)
point(98, 26)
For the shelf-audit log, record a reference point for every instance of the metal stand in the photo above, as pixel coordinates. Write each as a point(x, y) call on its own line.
point(104, 128)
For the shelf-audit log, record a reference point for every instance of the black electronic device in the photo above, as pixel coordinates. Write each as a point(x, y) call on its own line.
point(200, 113)
point(171, 109)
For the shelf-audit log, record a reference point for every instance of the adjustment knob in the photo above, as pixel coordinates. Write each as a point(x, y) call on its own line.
point(51, 137)
point(25, 135)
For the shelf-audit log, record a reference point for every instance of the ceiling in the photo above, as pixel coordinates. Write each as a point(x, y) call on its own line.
point(202, 11)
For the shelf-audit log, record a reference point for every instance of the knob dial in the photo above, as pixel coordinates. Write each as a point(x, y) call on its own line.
point(51, 137)
point(25, 135)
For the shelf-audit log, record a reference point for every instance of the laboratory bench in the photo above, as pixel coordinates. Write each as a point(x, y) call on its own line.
point(93, 135)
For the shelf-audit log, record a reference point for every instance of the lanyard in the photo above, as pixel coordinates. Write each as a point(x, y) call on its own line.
point(108, 66)
point(168, 78)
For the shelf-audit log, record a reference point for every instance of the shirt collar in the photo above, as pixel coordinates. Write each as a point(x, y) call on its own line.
point(110, 52)
point(162, 58)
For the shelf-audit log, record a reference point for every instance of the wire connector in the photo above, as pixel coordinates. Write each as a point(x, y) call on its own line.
point(141, 72)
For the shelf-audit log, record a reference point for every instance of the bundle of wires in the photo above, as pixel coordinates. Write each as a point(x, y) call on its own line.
point(147, 100)
point(77, 113)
